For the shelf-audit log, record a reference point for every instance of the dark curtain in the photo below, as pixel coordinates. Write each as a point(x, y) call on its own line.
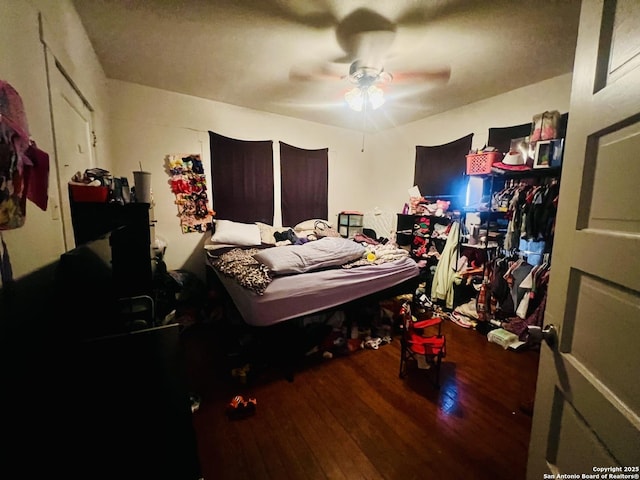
point(562, 127)
point(305, 181)
point(242, 179)
point(440, 170)
point(500, 137)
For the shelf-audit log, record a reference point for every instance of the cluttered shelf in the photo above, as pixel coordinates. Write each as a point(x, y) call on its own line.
point(509, 216)
point(492, 227)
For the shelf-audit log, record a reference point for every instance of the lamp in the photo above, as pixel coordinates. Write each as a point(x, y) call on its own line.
point(363, 96)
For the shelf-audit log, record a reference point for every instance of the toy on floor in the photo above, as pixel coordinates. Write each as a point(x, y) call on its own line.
point(238, 407)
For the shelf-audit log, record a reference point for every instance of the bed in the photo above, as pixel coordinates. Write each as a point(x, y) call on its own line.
point(271, 285)
point(293, 296)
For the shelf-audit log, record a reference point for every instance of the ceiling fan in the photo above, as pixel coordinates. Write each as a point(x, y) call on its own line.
point(366, 38)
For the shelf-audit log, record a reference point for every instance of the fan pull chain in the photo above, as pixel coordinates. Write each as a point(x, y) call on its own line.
point(364, 118)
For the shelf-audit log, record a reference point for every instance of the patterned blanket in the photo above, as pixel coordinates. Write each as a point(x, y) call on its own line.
point(240, 265)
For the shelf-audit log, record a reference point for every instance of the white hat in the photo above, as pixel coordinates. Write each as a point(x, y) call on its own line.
point(513, 158)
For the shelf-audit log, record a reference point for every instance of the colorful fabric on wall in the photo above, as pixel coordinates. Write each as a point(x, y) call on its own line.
point(14, 141)
point(189, 185)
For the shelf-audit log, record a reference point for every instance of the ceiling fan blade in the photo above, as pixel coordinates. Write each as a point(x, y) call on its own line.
point(420, 15)
point(364, 32)
point(315, 14)
point(327, 71)
point(441, 75)
point(370, 48)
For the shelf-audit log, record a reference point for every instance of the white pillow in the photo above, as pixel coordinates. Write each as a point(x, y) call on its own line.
point(323, 253)
point(309, 224)
point(306, 234)
point(236, 233)
point(267, 232)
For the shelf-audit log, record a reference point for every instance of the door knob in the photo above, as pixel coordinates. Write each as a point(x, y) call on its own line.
point(548, 333)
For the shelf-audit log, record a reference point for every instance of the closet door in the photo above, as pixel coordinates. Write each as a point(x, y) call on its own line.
point(72, 121)
point(587, 408)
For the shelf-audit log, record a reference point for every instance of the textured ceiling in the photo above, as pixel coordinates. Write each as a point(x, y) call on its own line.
point(289, 56)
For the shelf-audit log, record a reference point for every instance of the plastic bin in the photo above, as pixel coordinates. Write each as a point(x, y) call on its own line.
point(87, 193)
point(480, 163)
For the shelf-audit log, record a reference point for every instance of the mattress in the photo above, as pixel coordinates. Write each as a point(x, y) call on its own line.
point(293, 296)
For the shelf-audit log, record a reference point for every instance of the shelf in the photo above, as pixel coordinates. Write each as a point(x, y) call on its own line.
point(534, 172)
point(479, 247)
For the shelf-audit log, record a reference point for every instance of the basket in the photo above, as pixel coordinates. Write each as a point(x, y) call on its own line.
point(479, 163)
point(87, 193)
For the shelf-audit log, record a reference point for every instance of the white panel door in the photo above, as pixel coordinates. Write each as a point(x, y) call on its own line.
point(72, 123)
point(587, 409)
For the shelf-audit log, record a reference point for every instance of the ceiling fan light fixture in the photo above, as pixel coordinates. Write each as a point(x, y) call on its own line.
point(375, 96)
point(355, 99)
point(359, 97)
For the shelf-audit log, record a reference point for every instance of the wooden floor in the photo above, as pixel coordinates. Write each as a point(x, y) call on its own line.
point(352, 417)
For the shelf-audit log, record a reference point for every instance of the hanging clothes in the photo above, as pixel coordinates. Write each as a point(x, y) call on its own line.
point(6, 270)
point(37, 176)
point(500, 288)
point(532, 305)
point(20, 160)
point(530, 211)
point(446, 270)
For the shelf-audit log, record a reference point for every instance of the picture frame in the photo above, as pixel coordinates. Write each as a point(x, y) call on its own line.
point(543, 154)
point(557, 150)
point(522, 146)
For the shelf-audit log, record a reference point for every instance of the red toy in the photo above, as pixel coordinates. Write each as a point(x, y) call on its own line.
point(238, 407)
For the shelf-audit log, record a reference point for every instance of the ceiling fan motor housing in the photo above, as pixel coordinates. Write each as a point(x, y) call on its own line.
point(363, 75)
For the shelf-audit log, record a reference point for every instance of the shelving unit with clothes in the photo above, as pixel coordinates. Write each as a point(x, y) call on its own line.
point(520, 211)
point(515, 228)
point(504, 204)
